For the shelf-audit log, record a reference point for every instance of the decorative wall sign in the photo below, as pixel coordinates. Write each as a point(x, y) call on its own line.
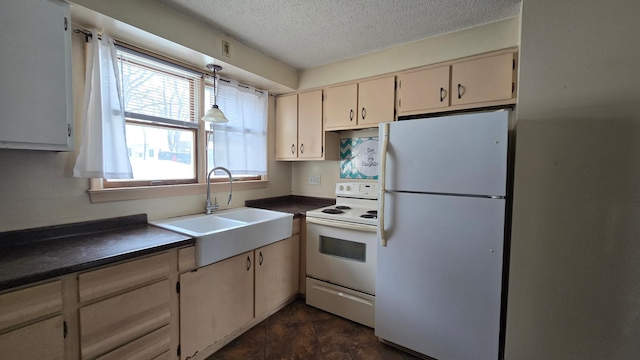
point(359, 158)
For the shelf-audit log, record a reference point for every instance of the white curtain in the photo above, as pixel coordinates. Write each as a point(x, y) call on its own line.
point(103, 151)
point(241, 144)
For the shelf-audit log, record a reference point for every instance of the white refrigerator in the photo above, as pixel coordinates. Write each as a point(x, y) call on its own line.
point(441, 235)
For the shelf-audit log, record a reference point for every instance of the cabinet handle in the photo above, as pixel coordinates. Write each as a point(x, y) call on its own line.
point(261, 258)
point(442, 94)
point(248, 263)
point(459, 94)
point(364, 113)
point(351, 115)
point(301, 148)
point(293, 148)
point(513, 87)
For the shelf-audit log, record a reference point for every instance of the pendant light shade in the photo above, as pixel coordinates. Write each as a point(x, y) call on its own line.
point(214, 114)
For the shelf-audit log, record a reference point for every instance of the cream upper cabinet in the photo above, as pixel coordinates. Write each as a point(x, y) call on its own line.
point(215, 300)
point(310, 125)
point(362, 105)
point(287, 127)
point(277, 273)
point(484, 80)
point(299, 129)
point(375, 101)
point(342, 106)
point(35, 76)
point(423, 90)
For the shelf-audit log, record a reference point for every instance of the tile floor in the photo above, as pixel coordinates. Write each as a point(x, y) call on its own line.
point(301, 332)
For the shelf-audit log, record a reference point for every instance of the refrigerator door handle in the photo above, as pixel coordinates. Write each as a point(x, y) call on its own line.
point(383, 170)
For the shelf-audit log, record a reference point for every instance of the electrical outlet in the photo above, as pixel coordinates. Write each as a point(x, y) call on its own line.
point(314, 179)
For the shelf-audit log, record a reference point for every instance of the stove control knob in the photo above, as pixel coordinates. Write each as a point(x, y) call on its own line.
point(348, 188)
point(341, 187)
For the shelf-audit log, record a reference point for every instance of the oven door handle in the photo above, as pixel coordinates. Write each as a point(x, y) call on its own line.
point(341, 224)
point(383, 173)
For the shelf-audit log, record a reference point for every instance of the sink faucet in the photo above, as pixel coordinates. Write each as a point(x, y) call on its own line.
point(208, 207)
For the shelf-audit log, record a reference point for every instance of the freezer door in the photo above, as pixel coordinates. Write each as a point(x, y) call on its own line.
point(463, 154)
point(438, 281)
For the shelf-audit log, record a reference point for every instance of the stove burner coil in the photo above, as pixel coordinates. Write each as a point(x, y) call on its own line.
point(369, 216)
point(372, 212)
point(343, 207)
point(332, 211)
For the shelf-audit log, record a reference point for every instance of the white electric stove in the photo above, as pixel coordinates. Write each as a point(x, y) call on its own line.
point(341, 253)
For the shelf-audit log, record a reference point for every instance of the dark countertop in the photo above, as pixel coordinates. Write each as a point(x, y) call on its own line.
point(293, 204)
point(32, 255)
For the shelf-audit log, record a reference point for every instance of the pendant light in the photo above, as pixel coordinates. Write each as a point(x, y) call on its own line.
point(214, 115)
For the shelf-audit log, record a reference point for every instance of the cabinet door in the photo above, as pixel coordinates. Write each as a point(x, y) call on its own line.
point(483, 80)
point(341, 103)
point(423, 90)
point(35, 76)
point(215, 300)
point(310, 125)
point(43, 341)
point(287, 127)
point(277, 273)
point(376, 101)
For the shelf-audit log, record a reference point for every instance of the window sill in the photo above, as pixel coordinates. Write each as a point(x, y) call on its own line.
point(150, 192)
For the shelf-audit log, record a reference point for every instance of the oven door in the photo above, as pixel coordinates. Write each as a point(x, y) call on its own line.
point(342, 253)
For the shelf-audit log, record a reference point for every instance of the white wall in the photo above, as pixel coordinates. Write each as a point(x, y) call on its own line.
point(36, 187)
point(575, 258)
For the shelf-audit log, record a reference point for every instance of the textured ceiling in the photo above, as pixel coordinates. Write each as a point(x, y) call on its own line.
point(308, 33)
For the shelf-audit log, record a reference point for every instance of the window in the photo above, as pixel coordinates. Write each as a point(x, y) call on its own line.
point(239, 145)
point(163, 104)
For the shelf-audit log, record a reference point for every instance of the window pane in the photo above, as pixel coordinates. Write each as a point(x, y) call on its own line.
point(157, 93)
point(161, 153)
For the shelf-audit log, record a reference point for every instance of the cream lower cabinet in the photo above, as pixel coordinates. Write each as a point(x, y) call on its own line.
point(215, 300)
point(31, 324)
point(277, 273)
point(43, 340)
point(125, 309)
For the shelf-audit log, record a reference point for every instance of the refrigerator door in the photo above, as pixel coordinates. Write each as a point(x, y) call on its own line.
point(438, 282)
point(463, 154)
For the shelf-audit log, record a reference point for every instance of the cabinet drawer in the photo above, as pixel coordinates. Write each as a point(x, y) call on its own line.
point(42, 341)
point(149, 346)
point(30, 303)
point(187, 258)
point(116, 321)
point(164, 356)
point(128, 275)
